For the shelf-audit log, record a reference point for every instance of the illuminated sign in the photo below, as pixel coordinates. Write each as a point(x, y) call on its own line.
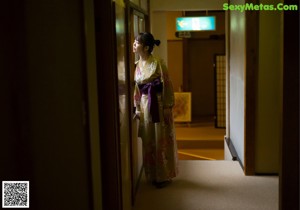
point(205, 23)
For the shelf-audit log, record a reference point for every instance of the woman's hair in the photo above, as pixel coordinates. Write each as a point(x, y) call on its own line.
point(147, 39)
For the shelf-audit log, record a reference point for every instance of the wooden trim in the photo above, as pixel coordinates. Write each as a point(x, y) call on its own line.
point(128, 25)
point(132, 9)
point(252, 55)
point(137, 8)
point(91, 104)
point(130, 66)
point(233, 151)
point(185, 68)
point(108, 104)
point(227, 53)
point(289, 166)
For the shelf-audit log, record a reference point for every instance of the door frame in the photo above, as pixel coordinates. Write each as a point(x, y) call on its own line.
point(289, 156)
point(109, 130)
point(132, 10)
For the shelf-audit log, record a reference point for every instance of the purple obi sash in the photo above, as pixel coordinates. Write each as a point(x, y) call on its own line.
point(151, 89)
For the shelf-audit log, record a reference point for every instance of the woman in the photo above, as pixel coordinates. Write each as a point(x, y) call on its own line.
point(153, 101)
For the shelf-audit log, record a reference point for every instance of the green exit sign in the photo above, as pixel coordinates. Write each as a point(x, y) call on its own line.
point(205, 23)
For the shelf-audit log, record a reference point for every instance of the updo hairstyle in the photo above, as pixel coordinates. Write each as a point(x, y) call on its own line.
point(147, 39)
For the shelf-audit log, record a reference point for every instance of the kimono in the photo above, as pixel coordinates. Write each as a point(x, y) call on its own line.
point(153, 101)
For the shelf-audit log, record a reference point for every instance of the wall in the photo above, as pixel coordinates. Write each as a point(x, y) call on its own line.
point(175, 50)
point(268, 116)
point(93, 103)
point(171, 24)
point(55, 64)
point(46, 95)
point(267, 156)
point(175, 63)
point(187, 5)
point(158, 28)
point(158, 17)
point(200, 62)
point(201, 52)
point(236, 78)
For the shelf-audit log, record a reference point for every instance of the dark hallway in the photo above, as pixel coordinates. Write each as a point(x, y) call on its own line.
point(60, 111)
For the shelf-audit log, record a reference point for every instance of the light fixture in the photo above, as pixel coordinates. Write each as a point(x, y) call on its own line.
point(203, 23)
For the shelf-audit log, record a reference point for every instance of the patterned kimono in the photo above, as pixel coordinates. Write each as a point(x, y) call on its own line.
point(153, 100)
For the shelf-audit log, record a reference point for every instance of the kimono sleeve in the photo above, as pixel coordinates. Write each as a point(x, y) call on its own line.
point(168, 93)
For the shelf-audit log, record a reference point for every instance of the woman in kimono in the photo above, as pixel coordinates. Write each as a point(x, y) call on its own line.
point(153, 101)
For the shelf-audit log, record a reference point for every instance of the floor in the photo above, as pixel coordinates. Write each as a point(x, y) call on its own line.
point(200, 141)
point(210, 185)
point(206, 181)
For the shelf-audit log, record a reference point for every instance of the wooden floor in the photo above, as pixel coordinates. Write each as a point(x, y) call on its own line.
point(200, 141)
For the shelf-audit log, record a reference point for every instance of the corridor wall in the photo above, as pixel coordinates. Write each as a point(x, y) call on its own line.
point(237, 82)
point(45, 135)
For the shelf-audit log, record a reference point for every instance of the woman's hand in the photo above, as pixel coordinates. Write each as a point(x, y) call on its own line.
point(136, 116)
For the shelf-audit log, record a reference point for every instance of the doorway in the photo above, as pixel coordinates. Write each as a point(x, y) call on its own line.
point(192, 65)
point(137, 23)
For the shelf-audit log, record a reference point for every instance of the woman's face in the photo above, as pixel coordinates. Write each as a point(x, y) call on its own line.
point(138, 47)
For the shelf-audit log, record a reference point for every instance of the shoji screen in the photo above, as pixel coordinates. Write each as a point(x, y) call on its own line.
point(220, 69)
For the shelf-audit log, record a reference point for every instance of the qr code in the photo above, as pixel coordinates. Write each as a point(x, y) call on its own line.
point(15, 194)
